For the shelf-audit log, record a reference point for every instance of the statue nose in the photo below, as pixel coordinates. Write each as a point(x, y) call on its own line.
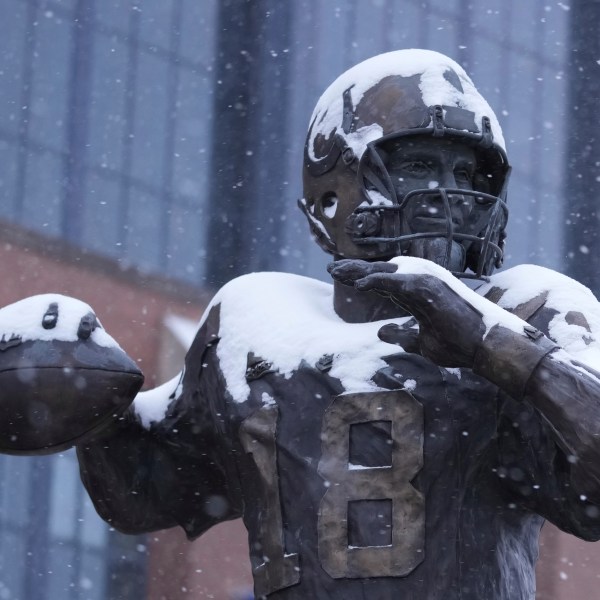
point(448, 179)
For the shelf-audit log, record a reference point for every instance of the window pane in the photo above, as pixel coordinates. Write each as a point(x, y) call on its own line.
point(43, 192)
point(58, 580)
point(198, 28)
point(12, 555)
point(16, 478)
point(107, 110)
point(115, 13)
point(146, 214)
point(92, 580)
point(150, 119)
point(401, 31)
point(12, 44)
point(8, 171)
point(445, 7)
point(102, 218)
point(63, 498)
point(192, 135)
point(93, 528)
point(156, 22)
point(51, 76)
point(186, 249)
point(60, 4)
point(442, 33)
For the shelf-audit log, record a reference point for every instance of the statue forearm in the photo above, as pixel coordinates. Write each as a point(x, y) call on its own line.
point(510, 359)
point(566, 394)
point(116, 468)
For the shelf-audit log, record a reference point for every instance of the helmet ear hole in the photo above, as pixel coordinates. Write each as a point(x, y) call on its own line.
point(326, 205)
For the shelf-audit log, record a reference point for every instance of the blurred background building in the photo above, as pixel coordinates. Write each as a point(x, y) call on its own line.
point(151, 150)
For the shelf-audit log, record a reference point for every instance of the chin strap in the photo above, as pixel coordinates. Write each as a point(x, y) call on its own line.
point(436, 250)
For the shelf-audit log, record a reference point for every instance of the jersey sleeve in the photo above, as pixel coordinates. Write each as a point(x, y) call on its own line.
point(538, 474)
point(548, 445)
point(174, 470)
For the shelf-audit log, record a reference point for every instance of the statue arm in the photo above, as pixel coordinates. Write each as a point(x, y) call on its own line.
point(549, 417)
point(147, 474)
point(538, 376)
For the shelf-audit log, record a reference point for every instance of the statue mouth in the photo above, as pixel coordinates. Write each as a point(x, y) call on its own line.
point(427, 221)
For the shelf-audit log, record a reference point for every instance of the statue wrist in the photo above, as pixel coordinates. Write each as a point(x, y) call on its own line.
point(508, 359)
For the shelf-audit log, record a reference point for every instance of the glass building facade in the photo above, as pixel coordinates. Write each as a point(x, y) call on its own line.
point(109, 129)
point(106, 131)
point(52, 543)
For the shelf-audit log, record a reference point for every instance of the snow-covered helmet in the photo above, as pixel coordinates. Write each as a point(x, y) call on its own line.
point(349, 199)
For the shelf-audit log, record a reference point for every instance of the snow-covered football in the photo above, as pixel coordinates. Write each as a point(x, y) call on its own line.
point(62, 377)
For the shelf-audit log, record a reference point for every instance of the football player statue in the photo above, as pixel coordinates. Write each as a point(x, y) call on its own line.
point(397, 434)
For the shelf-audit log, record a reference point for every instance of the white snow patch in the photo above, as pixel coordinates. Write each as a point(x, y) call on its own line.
point(314, 221)
point(330, 210)
point(151, 406)
point(377, 199)
point(453, 371)
point(24, 319)
point(567, 358)
point(267, 399)
point(358, 140)
point(525, 282)
point(410, 385)
point(286, 319)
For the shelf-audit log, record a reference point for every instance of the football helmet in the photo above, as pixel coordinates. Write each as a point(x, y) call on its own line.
point(380, 106)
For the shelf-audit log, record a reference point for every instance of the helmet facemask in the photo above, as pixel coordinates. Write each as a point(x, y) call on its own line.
point(386, 218)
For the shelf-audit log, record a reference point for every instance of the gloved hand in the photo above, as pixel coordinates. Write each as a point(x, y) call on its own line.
point(453, 319)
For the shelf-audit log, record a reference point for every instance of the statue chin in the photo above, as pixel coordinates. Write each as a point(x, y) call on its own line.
point(436, 250)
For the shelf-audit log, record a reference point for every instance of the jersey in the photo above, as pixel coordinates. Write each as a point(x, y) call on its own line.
point(361, 469)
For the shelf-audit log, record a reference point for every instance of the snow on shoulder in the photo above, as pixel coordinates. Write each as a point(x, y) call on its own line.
point(575, 326)
point(286, 319)
point(567, 297)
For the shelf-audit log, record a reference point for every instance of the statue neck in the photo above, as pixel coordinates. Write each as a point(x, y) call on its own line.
point(354, 306)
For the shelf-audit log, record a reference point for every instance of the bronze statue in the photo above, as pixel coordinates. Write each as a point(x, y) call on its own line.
point(398, 434)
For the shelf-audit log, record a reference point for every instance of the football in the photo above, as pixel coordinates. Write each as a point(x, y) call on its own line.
point(62, 377)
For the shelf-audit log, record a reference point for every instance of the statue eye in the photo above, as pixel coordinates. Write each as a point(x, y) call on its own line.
point(415, 168)
point(463, 175)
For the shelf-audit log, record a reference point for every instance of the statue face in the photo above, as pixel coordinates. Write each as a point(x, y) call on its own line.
point(428, 175)
point(416, 195)
point(431, 163)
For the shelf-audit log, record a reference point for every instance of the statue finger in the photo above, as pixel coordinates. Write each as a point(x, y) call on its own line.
point(348, 271)
point(406, 338)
